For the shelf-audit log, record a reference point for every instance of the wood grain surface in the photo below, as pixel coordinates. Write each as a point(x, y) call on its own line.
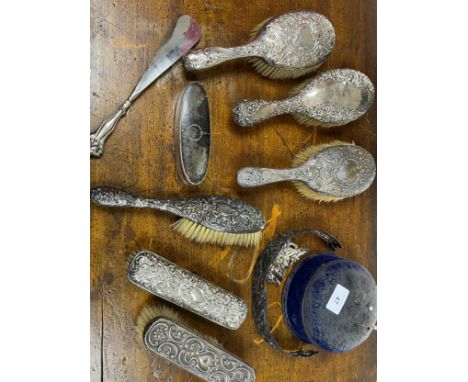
point(139, 157)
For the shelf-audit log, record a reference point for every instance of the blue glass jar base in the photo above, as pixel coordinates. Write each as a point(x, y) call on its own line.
point(294, 291)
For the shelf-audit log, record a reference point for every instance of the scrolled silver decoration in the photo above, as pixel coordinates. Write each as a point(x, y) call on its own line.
point(175, 284)
point(219, 213)
point(194, 354)
point(291, 41)
point(332, 98)
point(341, 171)
point(288, 255)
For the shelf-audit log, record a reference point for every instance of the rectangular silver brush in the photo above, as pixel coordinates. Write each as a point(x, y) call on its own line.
point(175, 284)
point(187, 350)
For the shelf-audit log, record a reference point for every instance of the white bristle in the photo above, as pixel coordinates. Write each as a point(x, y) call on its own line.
point(198, 233)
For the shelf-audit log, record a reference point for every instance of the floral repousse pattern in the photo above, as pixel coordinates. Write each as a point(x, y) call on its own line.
point(219, 213)
point(293, 40)
point(289, 254)
point(297, 40)
point(341, 171)
point(328, 113)
point(189, 351)
point(187, 290)
point(334, 114)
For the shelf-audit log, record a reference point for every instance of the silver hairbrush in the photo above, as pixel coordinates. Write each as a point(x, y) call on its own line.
point(332, 98)
point(327, 172)
point(205, 219)
point(286, 46)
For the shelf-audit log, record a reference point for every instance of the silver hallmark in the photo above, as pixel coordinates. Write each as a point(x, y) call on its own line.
point(175, 284)
point(332, 98)
point(187, 350)
point(291, 45)
point(341, 171)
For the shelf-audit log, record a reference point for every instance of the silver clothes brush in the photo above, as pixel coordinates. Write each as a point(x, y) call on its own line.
point(205, 219)
point(286, 46)
point(332, 98)
point(185, 35)
point(176, 284)
point(165, 334)
point(327, 172)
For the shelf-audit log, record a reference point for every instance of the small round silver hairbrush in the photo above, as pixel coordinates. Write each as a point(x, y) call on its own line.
point(286, 46)
point(332, 98)
point(326, 173)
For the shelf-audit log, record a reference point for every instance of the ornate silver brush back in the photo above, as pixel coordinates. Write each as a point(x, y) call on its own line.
point(291, 41)
point(219, 213)
point(175, 284)
point(332, 98)
point(341, 171)
point(189, 351)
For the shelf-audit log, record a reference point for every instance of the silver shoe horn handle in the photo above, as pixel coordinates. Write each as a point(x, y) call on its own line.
point(201, 59)
point(98, 138)
point(256, 176)
point(185, 35)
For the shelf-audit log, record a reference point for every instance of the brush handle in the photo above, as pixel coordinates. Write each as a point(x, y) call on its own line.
point(257, 176)
point(111, 197)
point(206, 58)
point(248, 113)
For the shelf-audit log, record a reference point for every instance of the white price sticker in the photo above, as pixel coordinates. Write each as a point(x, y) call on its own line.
point(337, 299)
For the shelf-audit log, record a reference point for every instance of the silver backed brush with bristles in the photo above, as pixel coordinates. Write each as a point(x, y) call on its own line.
point(332, 98)
point(286, 46)
point(206, 219)
point(328, 172)
point(164, 334)
point(175, 284)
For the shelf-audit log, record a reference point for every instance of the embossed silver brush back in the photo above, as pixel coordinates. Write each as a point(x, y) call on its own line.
point(189, 351)
point(218, 213)
point(173, 283)
point(332, 98)
point(341, 171)
point(291, 45)
point(185, 35)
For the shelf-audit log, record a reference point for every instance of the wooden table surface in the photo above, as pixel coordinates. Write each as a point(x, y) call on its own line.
point(139, 158)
